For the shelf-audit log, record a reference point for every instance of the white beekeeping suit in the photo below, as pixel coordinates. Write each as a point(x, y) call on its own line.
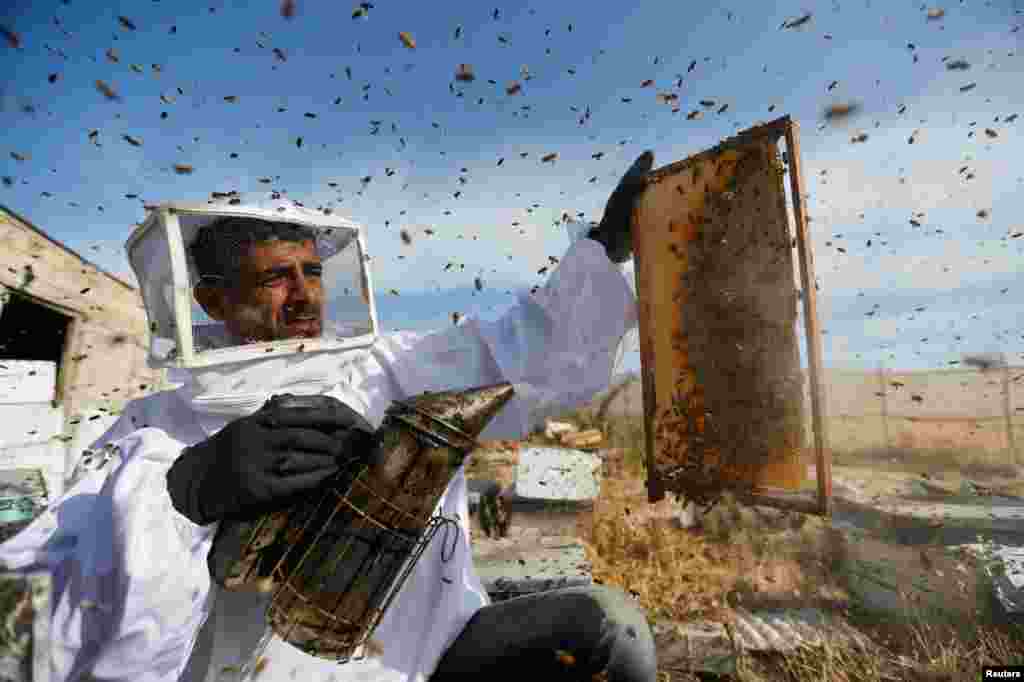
point(133, 598)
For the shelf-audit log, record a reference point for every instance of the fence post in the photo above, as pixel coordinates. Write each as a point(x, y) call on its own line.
point(1008, 417)
point(885, 405)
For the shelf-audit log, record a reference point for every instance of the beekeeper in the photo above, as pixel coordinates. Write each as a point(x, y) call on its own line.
point(238, 307)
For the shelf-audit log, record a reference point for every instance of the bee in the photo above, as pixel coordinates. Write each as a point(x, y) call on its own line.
point(261, 664)
point(107, 91)
point(12, 38)
point(798, 22)
point(839, 111)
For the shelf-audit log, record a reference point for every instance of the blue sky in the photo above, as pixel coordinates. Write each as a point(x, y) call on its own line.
point(955, 265)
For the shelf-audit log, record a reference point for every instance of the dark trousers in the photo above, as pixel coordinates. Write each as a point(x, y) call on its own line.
point(601, 628)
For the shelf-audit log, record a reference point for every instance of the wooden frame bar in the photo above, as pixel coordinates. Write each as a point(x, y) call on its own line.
point(821, 501)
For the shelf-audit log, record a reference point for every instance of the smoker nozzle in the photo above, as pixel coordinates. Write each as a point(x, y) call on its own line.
point(454, 418)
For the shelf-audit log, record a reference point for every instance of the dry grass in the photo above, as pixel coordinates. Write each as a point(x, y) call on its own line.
point(914, 654)
point(970, 463)
point(756, 557)
point(853, 433)
point(738, 556)
point(948, 465)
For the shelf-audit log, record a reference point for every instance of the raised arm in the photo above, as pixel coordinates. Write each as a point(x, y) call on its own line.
point(557, 346)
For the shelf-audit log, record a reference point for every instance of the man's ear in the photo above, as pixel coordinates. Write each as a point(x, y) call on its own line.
point(211, 299)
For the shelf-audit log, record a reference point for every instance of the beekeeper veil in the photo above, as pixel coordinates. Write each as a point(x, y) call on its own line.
point(232, 373)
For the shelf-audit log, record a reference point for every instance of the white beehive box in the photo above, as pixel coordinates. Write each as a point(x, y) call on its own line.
point(30, 423)
point(27, 381)
point(557, 474)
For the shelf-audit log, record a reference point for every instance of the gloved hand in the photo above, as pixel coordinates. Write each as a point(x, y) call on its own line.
point(267, 461)
point(615, 231)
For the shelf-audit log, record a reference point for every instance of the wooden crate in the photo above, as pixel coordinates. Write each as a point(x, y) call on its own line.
point(722, 384)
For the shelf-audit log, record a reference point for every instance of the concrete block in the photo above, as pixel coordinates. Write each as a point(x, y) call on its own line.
point(546, 473)
point(512, 571)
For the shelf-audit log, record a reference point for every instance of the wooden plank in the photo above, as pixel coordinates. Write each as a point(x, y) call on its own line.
point(67, 372)
point(712, 234)
point(645, 270)
point(771, 130)
point(822, 454)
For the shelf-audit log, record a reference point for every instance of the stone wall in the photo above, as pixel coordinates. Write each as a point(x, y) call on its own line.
point(104, 359)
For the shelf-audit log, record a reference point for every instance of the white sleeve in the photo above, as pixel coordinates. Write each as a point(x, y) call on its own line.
point(557, 346)
point(130, 579)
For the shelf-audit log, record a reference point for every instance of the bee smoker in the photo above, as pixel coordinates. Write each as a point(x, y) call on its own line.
point(335, 563)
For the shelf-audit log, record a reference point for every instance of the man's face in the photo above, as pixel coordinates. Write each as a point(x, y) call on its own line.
point(279, 294)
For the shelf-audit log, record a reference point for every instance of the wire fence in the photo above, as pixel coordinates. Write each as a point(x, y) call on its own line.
point(956, 409)
point(977, 410)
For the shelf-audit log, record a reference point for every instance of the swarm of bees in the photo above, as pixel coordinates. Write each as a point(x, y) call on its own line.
point(311, 126)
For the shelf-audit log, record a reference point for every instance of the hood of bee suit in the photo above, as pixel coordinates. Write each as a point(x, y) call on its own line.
point(223, 378)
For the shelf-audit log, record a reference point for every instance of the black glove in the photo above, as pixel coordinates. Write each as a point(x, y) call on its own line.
point(267, 461)
point(615, 231)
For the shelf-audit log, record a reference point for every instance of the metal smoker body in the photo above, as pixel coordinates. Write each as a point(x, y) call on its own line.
point(335, 563)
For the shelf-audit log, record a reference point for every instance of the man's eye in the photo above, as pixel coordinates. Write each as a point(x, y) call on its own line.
point(310, 272)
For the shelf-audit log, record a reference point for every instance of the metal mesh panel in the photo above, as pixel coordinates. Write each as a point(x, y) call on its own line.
point(956, 408)
point(343, 566)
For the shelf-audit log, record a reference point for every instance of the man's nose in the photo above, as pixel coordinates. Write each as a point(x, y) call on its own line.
point(300, 287)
